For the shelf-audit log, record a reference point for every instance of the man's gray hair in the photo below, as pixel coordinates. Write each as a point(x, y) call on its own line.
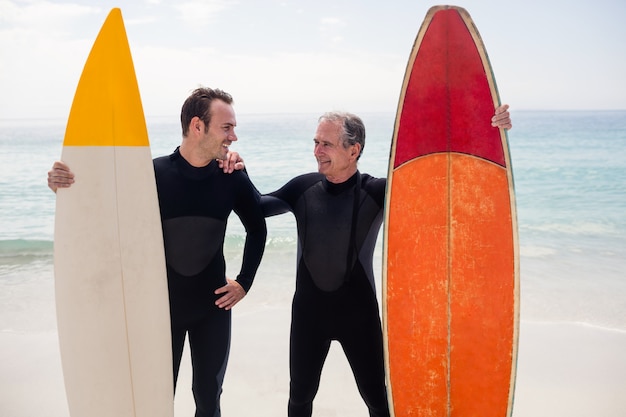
point(353, 128)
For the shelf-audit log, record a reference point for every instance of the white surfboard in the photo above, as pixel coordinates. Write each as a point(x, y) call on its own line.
point(110, 277)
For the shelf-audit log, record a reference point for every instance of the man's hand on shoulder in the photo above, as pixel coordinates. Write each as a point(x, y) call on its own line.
point(232, 162)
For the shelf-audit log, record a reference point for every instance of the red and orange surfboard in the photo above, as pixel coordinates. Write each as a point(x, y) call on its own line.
point(451, 263)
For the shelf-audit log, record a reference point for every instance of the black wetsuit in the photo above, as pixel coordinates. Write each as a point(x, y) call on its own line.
point(335, 297)
point(195, 204)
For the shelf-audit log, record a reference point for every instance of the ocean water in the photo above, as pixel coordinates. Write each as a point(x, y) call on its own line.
point(570, 181)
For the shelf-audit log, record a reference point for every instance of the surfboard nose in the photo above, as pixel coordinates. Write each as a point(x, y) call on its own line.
point(104, 110)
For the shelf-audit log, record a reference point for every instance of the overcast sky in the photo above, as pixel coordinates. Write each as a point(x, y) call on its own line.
point(307, 55)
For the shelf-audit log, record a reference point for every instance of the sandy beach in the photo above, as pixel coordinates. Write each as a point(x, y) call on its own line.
point(564, 370)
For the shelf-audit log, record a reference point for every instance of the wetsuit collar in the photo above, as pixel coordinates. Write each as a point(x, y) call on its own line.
point(336, 189)
point(188, 170)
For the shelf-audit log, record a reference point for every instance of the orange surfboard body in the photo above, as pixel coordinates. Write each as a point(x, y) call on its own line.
point(451, 268)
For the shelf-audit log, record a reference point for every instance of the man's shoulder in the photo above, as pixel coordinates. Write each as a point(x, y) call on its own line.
point(297, 185)
point(237, 175)
point(305, 180)
point(311, 176)
point(163, 161)
point(374, 186)
point(369, 179)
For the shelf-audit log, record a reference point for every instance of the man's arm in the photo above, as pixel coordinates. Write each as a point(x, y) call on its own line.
point(249, 211)
point(273, 206)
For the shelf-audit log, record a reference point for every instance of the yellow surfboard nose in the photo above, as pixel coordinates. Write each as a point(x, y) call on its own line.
point(107, 113)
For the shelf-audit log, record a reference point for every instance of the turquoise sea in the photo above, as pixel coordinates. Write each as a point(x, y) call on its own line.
point(570, 181)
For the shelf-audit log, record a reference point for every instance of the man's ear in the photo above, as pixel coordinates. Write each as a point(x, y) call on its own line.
point(356, 150)
point(196, 124)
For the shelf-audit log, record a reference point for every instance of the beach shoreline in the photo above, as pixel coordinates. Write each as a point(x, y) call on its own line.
point(564, 369)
